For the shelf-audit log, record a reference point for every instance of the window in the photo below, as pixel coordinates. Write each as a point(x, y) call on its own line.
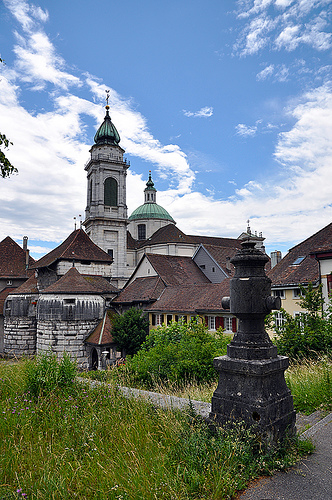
point(202, 266)
point(279, 293)
point(298, 261)
point(279, 320)
point(69, 301)
point(213, 270)
point(228, 324)
point(297, 293)
point(90, 191)
point(110, 252)
point(169, 319)
point(9, 282)
point(141, 228)
point(159, 319)
point(111, 192)
point(212, 323)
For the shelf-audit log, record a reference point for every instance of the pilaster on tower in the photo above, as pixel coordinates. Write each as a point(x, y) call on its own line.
point(106, 210)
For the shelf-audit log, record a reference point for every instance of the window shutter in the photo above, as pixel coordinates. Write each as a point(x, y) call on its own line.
point(222, 322)
point(234, 325)
point(218, 322)
point(153, 320)
point(206, 321)
point(161, 318)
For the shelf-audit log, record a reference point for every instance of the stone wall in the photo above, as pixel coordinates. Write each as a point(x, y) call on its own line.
point(20, 336)
point(65, 336)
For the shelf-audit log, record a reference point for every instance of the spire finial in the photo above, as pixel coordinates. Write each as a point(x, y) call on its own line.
point(107, 98)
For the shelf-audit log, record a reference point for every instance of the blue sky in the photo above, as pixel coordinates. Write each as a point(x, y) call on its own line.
point(229, 104)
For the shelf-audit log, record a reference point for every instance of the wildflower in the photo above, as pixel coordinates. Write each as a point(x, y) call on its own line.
point(19, 491)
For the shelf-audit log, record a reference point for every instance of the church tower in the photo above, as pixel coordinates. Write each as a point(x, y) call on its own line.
point(106, 211)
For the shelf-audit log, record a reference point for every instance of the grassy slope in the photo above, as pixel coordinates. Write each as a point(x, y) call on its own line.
point(94, 444)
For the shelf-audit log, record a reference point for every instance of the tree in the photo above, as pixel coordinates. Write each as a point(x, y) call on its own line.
point(6, 168)
point(309, 334)
point(130, 330)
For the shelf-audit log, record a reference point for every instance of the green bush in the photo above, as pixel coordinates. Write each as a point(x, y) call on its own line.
point(46, 373)
point(178, 353)
point(308, 335)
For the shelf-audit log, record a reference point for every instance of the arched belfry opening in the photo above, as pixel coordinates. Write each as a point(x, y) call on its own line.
point(110, 192)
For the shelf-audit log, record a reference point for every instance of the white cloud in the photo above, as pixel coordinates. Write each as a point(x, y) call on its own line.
point(265, 73)
point(49, 147)
point(245, 130)
point(283, 24)
point(50, 150)
point(205, 112)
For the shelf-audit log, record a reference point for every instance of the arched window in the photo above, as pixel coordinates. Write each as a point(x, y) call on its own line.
point(111, 192)
point(141, 228)
point(90, 193)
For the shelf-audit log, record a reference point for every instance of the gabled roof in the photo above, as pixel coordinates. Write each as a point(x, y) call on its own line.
point(102, 335)
point(166, 234)
point(78, 246)
point(72, 282)
point(213, 240)
point(144, 289)
point(176, 270)
point(298, 266)
point(102, 285)
point(29, 286)
point(192, 299)
point(12, 259)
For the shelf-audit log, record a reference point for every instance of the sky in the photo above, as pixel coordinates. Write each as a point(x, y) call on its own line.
point(229, 104)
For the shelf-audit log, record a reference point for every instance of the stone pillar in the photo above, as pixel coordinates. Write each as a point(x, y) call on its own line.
point(252, 386)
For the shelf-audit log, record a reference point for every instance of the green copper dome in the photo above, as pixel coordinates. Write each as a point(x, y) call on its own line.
point(150, 211)
point(107, 133)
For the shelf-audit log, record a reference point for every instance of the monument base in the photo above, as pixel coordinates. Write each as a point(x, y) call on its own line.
point(254, 392)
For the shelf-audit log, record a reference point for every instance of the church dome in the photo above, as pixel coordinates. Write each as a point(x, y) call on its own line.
point(107, 133)
point(151, 211)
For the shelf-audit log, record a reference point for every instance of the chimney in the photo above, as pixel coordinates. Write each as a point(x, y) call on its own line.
point(276, 257)
point(25, 249)
point(25, 243)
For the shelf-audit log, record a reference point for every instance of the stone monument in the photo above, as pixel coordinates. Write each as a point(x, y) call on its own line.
point(252, 386)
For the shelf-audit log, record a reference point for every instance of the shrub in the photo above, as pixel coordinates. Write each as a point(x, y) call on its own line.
point(308, 335)
point(177, 353)
point(130, 329)
point(46, 373)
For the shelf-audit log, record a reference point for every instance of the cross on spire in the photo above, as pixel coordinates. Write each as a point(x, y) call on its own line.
point(107, 96)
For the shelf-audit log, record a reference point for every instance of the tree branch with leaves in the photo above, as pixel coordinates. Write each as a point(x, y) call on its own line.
point(6, 167)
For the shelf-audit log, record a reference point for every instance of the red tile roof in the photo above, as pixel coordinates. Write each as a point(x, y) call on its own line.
point(77, 246)
point(102, 285)
point(176, 270)
point(286, 273)
point(72, 282)
point(29, 286)
point(12, 259)
point(192, 299)
point(102, 335)
point(213, 240)
point(144, 289)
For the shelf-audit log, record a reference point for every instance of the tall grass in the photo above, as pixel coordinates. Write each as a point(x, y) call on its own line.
point(95, 444)
point(310, 383)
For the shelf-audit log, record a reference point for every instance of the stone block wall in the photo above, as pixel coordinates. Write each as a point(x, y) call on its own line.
point(20, 336)
point(65, 336)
